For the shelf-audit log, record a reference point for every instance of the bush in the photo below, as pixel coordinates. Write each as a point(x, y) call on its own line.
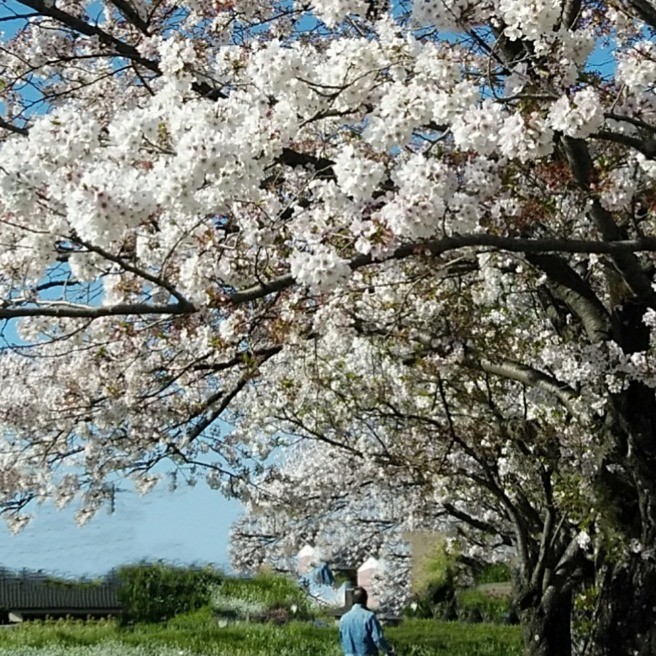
point(235, 609)
point(494, 573)
point(475, 605)
point(435, 570)
point(435, 574)
point(255, 598)
point(153, 592)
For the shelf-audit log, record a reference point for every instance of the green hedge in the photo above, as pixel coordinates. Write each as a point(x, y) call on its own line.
point(154, 592)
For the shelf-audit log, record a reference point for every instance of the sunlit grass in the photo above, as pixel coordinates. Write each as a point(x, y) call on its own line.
point(195, 634)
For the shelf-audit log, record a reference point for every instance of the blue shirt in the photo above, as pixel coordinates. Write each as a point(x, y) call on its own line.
point(361, 634)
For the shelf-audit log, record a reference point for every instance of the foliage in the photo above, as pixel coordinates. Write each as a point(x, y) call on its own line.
point(260, 596)
point(486, 606)
point(586, 605)
point(494, 573)
point(153, 592)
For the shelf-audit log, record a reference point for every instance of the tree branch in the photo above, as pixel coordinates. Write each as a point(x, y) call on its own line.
point(129, 12)
point(155, 280)
point(71, 310)
point(645, 10)
point(123, 49)
point(570, 13)
point(576, 294)
point(75, 23)
point(13, 128)
point(645, 146)
point(627, 263)
point(446, 244)
point(531, 378)
point(478, 524)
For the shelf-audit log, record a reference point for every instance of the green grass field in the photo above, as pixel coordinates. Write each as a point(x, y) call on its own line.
point(195, 634)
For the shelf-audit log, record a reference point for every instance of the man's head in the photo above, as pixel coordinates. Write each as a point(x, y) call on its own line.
point(360, 596)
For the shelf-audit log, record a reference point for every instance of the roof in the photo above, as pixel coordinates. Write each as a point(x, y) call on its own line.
point(370, 563)
point(306, 551)
point(34, 594)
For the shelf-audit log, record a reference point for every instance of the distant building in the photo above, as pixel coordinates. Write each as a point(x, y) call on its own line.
point(366, 574)
point(312, 571)
point(306, 559)
point(29, 597)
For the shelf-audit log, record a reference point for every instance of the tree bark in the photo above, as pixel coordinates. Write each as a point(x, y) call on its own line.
point(626, 617)
point(625, 621)
point(546, 628)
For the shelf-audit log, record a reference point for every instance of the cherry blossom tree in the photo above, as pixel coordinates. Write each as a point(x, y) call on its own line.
point(321, 496)
point(201, 201)
point(375, 444)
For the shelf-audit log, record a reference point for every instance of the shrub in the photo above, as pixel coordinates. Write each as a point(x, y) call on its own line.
point(437, 573)
point(434, 569)
point(153, 592)
point(234, 608)
point(494, 573)
point(478, 605)
point(263, 591)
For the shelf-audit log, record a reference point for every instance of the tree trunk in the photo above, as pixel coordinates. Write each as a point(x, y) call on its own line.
point(626, 619)
point(625, 622)
point(547, 629)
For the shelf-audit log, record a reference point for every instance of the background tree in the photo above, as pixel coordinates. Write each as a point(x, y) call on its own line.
point(377, 445)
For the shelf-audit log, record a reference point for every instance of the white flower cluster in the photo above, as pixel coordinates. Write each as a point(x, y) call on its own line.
point(402, 108)
point(478, 128)
point(619, 189)
point(357, 176)
point(525, 138)
point(529, 19)
point(449, 14)
point(637, 67)
point(332, 12)
point(425, 186)
point(320, 270)
point(578, 116)
point(176, 53)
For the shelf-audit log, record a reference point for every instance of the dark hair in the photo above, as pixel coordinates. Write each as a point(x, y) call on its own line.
point(360, 596)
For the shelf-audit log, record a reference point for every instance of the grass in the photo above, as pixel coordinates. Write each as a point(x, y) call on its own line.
point(194, 634)
point(491, 604)
point(268, 590)
point(430, 638)
point(262, 597)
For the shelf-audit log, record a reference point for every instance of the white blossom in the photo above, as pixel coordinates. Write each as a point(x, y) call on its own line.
point(580, 116)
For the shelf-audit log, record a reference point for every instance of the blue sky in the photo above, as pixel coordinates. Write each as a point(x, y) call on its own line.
point(187, 526)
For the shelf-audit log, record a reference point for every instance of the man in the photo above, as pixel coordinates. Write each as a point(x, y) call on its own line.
point(359, 631)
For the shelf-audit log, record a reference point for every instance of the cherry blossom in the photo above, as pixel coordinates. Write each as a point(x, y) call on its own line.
point(410, 244)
